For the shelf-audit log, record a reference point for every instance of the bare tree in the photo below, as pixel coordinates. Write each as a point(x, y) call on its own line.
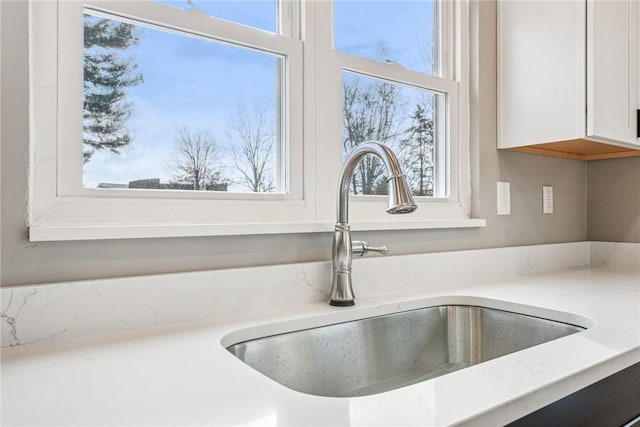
point(196, 161)
point(370, 112)
point(251, 149)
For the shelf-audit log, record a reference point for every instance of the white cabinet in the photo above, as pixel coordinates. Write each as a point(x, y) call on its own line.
point(612, 70)
point(541, 72)
point(568, 77)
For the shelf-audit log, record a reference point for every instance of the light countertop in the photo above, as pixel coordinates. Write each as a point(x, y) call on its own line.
point(181, 374)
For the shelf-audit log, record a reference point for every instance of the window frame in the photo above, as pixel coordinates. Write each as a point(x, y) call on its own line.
point(59, 209)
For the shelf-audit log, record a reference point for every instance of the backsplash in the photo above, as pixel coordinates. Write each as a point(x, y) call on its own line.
point(617, 255)
point(53, 312)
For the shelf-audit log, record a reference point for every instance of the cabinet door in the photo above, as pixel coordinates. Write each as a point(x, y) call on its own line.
point(612, 70)
point(541, 72)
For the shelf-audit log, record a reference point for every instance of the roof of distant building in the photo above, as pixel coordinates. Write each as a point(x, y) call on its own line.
point(112, 185)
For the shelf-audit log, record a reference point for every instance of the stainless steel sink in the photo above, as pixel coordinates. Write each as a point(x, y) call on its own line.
point(383, 353)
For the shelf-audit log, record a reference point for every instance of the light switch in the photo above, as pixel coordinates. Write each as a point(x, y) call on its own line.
point(504, 198)
point(547, 199)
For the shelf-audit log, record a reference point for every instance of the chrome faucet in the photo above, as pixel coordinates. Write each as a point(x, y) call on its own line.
point(400, 201)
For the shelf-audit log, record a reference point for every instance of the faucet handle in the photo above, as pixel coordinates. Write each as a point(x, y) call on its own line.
point(361, 248)
point(380, 249)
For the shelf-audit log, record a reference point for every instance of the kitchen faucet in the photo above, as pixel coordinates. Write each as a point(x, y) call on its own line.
point(399, 201)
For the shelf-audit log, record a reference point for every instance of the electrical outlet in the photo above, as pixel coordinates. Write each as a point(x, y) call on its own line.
point(547, 199)
point(504, 198)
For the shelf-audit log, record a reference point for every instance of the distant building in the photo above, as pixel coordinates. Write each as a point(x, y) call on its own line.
point(155, 184)
point(151, 183)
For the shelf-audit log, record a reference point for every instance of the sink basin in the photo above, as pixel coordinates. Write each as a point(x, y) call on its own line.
point(378, 354)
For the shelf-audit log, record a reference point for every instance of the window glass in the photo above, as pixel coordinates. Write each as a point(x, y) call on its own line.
point(260, 14)
point(399, 31)
point(403, 117)
point(170, 111)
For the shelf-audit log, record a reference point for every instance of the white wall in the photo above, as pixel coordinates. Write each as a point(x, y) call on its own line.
point(27, 263)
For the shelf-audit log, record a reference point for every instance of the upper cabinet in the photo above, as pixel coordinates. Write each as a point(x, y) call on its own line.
point(568, 82)
point(612, 70)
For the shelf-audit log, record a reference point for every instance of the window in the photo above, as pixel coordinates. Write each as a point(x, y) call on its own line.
point(171, 118)
point(191, 113)
point(402, 116)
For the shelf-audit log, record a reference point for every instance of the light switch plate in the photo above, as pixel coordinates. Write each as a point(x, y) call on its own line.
point(547, 199)
point(504, 198)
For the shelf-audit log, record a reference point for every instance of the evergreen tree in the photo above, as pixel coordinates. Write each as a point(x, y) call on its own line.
point(107, 74)
point(418, 152)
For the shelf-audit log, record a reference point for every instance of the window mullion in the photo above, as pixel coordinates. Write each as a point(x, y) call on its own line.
point(323, 98)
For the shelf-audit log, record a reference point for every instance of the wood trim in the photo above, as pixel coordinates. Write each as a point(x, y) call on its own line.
point(579, 149)
point(553, 153)
point(618, 155)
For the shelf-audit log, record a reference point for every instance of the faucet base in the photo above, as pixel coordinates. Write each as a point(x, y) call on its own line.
point(339, 303)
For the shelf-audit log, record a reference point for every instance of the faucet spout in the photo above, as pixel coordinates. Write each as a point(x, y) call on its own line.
point(400, 201)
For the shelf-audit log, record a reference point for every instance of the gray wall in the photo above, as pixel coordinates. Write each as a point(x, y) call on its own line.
point(613, 202)
point(27, 263)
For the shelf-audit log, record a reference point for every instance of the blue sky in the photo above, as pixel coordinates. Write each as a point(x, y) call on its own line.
point(201, 84)
point(361, 26)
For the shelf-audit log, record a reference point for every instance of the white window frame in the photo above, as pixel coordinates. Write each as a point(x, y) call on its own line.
point(60, 209)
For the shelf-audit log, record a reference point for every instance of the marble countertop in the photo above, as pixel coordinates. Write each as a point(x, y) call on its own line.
point(181, 374)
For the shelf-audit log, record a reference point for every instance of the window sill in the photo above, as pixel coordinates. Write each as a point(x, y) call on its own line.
point(111, 232)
